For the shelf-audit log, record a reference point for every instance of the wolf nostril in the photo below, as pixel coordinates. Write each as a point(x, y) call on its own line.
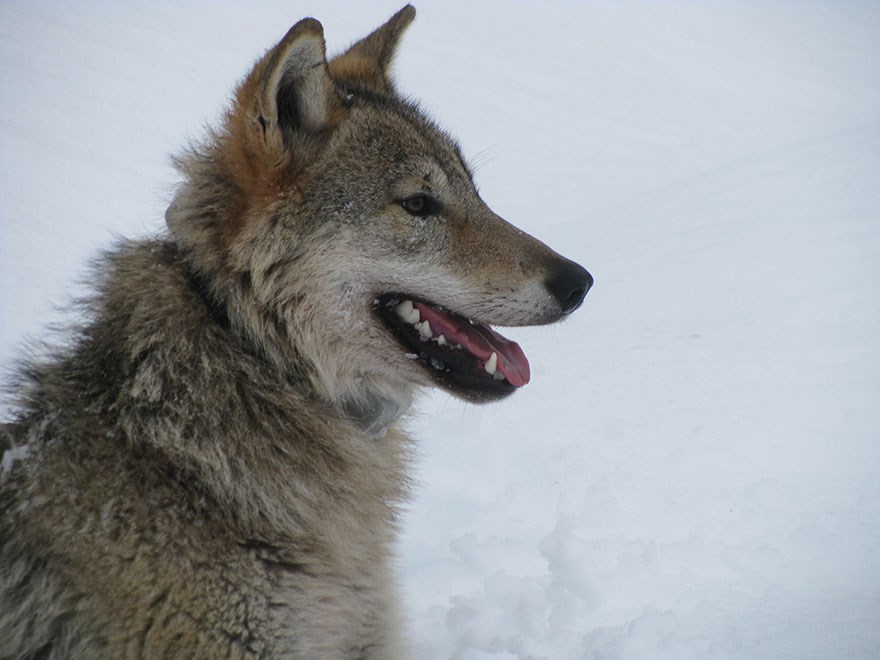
point(569, 285)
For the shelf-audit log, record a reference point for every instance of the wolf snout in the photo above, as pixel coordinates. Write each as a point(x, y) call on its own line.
point(569, 285)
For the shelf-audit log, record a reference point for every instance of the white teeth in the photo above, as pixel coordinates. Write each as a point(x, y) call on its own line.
point(491, 365)
point(407, 312)
point(441, 340)
point(424, 329)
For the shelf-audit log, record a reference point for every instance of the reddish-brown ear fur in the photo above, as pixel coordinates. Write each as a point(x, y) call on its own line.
point(281, 110)
point(365, 64)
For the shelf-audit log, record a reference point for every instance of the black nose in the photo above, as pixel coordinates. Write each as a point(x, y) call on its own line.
point(569, 285)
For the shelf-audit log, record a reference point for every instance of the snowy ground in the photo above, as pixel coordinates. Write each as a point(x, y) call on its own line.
point(692, 472)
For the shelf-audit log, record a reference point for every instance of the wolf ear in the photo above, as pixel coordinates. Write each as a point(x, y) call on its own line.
point(296, 88)
point(288, 98)
point(365, 64)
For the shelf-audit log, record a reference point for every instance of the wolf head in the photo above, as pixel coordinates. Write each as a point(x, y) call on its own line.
point(342, 234)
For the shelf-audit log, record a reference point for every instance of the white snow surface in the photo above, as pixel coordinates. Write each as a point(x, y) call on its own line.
point(693, 470)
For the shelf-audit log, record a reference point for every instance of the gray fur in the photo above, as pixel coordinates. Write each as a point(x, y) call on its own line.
point(184, 499)
point(213, 465)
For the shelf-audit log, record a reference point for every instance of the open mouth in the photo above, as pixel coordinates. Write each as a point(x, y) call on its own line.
point(466, 357)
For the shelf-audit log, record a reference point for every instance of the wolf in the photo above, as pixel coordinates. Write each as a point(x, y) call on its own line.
point(213, 464)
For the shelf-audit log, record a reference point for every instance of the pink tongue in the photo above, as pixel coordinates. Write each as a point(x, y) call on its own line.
point(481, 341)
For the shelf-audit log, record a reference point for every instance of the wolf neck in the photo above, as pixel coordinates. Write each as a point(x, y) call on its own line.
point(370, 408)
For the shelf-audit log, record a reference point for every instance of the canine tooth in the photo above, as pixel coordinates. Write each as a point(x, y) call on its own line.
point(424, 329)
point(407, 312)
point(491, 365)
point(441, 340)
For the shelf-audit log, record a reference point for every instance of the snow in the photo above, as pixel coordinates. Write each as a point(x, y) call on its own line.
point(692, 472)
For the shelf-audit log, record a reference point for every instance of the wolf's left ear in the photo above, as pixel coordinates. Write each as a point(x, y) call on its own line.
point(287, 100)
point(365, 65)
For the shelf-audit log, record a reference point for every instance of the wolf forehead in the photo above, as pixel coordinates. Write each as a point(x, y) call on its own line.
point(398, 134)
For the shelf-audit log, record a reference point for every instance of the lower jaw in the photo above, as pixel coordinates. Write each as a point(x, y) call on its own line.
point(474, 389)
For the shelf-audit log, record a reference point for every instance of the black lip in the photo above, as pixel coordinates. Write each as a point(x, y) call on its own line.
point(455, 370)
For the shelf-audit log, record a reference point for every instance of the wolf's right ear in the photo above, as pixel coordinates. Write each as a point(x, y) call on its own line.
point(288, 99)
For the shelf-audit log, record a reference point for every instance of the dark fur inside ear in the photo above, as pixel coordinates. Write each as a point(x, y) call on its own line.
point(288, 107)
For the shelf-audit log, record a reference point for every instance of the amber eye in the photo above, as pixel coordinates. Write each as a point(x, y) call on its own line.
point(420, 205)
